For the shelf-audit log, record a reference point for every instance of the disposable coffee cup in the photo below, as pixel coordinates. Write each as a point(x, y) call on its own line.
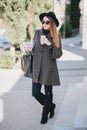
point(43, 39)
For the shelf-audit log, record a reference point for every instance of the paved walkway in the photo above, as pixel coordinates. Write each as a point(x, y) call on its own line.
point(18, 110)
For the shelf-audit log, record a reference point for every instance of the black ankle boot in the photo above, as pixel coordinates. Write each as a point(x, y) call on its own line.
point(52, 110)
point(44, 116)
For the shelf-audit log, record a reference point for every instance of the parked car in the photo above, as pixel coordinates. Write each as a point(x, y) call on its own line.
point(4, 43)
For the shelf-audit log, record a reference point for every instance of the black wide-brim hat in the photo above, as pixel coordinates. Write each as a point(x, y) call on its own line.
point(49, 14)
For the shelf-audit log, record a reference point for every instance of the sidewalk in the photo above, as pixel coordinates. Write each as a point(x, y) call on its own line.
point(20, 111)
point(74, 56)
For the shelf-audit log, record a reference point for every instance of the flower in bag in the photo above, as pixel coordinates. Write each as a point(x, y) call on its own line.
point(26, 47)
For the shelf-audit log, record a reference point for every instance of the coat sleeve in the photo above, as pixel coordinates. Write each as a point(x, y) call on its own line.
point(55, 52)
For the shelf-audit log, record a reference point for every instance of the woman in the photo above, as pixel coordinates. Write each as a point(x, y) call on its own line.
point(47, 48)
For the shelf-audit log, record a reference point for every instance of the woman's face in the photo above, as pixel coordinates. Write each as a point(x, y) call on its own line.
point(46, 23)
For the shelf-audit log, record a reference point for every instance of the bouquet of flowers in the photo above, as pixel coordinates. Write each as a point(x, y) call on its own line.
point(26, 48)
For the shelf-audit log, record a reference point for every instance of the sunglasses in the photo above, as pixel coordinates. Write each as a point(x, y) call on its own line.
point(45, 22)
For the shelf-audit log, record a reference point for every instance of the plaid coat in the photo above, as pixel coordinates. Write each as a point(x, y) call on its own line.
point(45, 69)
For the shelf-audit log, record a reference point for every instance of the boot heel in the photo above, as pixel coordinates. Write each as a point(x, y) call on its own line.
point(52, 111)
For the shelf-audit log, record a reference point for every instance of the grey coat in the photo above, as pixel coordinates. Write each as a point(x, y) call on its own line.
point(45, 69)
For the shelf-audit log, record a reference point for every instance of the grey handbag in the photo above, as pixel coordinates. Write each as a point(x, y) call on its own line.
point(27, 65)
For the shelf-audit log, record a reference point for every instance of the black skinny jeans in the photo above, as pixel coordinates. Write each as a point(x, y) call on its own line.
point(43, 99)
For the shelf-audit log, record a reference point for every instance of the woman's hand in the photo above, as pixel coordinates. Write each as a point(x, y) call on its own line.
point(47, 42)
point(44, 40)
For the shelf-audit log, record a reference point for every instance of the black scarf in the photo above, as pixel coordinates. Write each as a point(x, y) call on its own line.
point(46, 32)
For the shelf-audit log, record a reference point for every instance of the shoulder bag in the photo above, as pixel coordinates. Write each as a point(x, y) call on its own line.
point(27, 65)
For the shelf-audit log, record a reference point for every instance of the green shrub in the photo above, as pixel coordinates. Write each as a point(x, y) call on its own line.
point(7, 60)
point(68, 29)
point(61, 30)
point(65, 30)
